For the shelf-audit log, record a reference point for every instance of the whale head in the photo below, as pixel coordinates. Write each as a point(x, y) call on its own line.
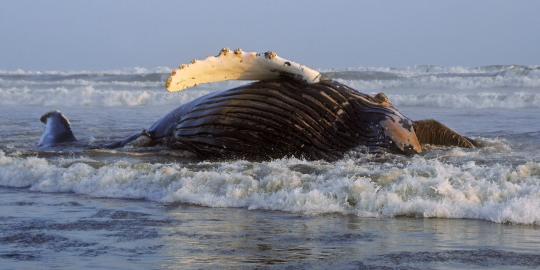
point(386, 126)
point(398, 128)
point(57, 130)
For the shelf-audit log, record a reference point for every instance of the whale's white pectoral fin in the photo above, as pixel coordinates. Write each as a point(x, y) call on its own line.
point(237, 65)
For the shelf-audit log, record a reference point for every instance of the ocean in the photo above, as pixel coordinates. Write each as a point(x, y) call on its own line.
point(153, 208)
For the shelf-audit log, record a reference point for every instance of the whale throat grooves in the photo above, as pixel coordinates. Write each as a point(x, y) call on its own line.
point(277, 118)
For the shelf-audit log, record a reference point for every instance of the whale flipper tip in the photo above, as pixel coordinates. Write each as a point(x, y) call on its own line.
point(238, 65)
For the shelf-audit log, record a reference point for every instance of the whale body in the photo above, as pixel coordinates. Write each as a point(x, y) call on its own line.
point(272, 119)
point(291, 110)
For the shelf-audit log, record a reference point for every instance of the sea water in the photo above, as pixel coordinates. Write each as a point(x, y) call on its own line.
point(153, 208)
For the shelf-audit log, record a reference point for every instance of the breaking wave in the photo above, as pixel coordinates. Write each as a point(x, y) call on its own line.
point(90, 96)
point(480, 100)
point(426, 86)
point(420, 186)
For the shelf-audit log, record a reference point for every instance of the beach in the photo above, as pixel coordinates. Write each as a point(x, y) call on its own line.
point(154, 208)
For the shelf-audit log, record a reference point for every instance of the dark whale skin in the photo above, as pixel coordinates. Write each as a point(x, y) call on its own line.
point(283, 118)
point(57, 131)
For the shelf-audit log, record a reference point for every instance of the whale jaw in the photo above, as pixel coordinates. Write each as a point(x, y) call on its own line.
point(57, 130)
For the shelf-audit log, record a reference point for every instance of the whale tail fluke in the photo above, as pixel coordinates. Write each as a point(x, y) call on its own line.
point(57, 130)
point(58, 133)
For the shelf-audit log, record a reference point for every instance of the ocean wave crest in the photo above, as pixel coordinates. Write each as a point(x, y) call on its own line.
point(436, 83)
point(90, 96)
point(420, 187)
point(509, 86)
point(480, 100)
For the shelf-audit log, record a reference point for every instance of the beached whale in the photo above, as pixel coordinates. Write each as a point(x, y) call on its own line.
point(291, 110)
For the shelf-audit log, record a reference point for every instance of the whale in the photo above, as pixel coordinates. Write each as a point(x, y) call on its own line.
point(57, 130)
point(287, 110)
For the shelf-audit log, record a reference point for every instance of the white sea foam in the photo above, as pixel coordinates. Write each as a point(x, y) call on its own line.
point(424, 86)
point(68, 83)
point(420, 186)
point(89, 96)
point(437, 77)
point(444, 83)
point(123, 71)
point(480, 100)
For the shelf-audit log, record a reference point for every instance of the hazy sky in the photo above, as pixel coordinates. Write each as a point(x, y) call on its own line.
point(105, 34)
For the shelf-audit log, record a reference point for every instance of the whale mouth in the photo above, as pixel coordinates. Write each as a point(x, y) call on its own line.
point(402, 137)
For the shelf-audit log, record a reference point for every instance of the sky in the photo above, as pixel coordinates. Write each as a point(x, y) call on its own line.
point(115, 34)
